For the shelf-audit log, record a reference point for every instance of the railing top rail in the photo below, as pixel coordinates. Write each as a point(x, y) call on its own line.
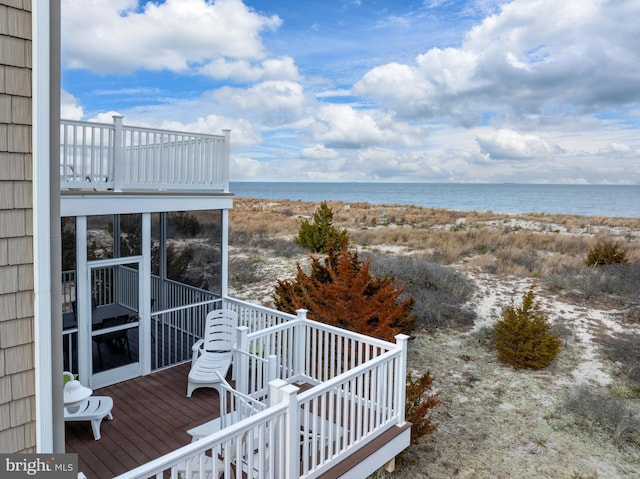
point(257, 307)
point(334, 382)
point(186, 306)
point(351, 334)
point(173, 132)
point(142, 128)
point(86, 123)
point(385, 345)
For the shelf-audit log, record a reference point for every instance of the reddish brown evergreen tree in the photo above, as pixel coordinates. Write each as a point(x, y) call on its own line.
point(341, 291)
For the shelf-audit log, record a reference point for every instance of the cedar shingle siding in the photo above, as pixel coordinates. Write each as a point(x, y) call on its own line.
point(17, 377)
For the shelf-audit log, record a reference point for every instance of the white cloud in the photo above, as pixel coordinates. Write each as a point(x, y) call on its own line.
point(272, 69)
point(70, 108)
point(245, 168)
point(533, 56)
point(342, 126)
point(319, 152)
point(616, 148)
point(269, 102)
point(243, 132)
point(511, 145)
point(105, 117)
point(115, 37)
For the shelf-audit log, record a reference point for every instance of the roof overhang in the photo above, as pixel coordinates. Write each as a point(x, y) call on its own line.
point(95, 203)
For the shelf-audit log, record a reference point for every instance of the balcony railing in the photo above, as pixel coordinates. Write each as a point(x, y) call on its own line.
point(358, 396)
point(102, 157)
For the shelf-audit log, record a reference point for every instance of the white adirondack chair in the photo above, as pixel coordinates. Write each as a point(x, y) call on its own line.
point(212, 355)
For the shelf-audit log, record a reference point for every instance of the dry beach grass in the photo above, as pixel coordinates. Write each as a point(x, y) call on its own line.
point(494, 422)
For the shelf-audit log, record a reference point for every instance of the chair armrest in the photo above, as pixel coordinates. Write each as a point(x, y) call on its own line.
point(197, 345)
point(196, 349)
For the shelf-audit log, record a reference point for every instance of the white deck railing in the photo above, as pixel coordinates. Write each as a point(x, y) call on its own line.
point(302, 436)
point(255, 317)
point(265, 445)
point(102, 156)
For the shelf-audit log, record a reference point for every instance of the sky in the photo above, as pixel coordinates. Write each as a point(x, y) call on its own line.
point(465, 91)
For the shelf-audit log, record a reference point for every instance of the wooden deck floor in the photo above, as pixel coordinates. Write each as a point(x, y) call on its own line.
point(151, 415)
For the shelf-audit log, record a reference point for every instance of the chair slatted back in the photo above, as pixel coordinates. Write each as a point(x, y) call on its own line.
point(220, 330)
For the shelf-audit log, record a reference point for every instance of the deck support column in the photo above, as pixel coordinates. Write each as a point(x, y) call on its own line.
point(224, 254)
point(402, 340)
point(83, 302)
point(291, 467)
point(299, 344)
point(242, 361)
point(117, 153)
point(144, 302)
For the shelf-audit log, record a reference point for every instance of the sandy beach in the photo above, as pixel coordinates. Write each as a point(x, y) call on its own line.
point(494, 422)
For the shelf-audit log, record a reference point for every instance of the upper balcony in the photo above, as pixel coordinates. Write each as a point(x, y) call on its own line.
point(118, 157)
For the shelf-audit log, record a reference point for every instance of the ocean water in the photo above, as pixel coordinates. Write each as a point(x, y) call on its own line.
point(587, 200)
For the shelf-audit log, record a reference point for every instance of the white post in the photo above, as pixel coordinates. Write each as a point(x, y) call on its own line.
point(83, 303)
point(402, 340)
point(144, 301)
point(300, 343)
point(45, 142)
point(274, 391)
point(291, 467)
point(224, 170)
point(224, 255)
point(242, 361)
point(117, 166)
point(273, 368)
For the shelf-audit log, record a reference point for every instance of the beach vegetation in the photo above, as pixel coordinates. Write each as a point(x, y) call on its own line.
point(598, 410)
point(623, 350)
point(341, 291)
point(441, 294)
point(611, 283)
point(606, 251)
point(183, 224)
point(319, 235)
point(421, 399)
point(523, 336)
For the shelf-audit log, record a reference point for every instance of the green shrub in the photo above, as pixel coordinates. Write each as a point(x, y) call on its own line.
point(523, 336)
point(605, 251)
point(321, 236)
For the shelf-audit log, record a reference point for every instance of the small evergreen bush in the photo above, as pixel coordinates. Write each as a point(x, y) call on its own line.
point(419, 404)
point(605, 251)
point(523, 336)
point(321, 236)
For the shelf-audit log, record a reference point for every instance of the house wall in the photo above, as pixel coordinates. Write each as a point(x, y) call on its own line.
point(17, 375)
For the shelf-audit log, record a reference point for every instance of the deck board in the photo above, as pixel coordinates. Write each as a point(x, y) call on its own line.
point(151, 416)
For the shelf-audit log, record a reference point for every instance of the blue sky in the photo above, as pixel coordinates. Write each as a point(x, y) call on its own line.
point(527, 91)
